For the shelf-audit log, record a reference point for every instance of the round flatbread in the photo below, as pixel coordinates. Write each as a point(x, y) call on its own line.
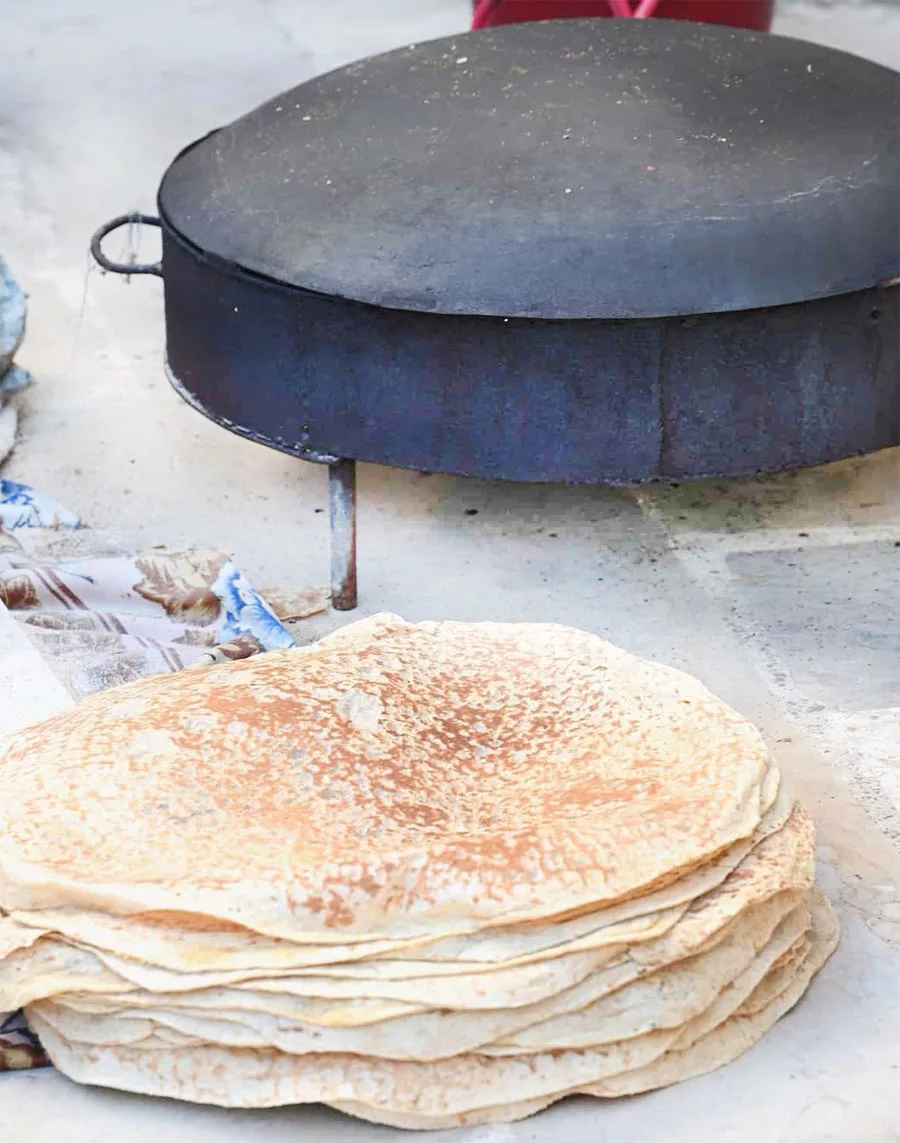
point(398, 782)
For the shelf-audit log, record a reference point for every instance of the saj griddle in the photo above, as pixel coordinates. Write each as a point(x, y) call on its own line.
point(589, 251)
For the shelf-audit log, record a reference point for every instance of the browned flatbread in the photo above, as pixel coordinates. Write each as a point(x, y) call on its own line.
point(408, 781)
point(430, 874)
point(465, 1089)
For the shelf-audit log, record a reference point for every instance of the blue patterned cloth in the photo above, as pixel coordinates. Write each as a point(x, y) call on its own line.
point(245, 612)
point(13, 306)
point(198, 605)
point(22, 507)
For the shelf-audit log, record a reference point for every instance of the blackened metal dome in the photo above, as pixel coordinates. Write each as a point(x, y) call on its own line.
point(570, 169)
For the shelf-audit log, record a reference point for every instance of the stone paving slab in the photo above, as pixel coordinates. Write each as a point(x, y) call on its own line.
point(832, 614)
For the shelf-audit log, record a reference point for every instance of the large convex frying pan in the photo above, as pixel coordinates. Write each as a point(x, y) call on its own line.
point(586, 251)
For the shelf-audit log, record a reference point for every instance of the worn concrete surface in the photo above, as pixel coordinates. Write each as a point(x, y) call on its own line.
point(842, 595)
point(782, 593)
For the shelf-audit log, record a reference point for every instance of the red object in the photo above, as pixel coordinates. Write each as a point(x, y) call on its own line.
point(754, 14)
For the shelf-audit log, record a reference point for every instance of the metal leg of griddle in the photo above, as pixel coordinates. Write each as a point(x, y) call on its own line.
point(342, 505)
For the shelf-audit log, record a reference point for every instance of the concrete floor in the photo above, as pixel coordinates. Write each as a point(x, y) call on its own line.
point(783, 594)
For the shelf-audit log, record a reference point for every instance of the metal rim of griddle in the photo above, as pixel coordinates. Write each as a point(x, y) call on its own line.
point(875, 310)
point(880, 402)
point(618, 401)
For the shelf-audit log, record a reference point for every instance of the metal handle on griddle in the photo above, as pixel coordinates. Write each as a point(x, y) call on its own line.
point(119, 267)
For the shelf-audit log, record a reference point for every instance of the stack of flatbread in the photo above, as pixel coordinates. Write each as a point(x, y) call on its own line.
point(430, 874)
